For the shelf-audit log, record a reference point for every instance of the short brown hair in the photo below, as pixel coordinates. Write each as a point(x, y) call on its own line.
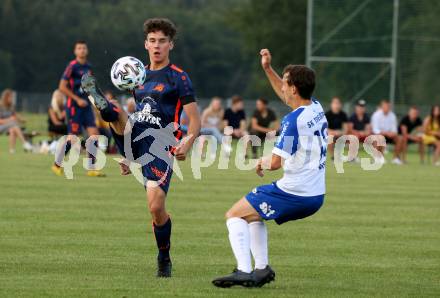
point(236, 99)
point(160, 24)
point(79, 41)
point(263, 100)
point(302, 77)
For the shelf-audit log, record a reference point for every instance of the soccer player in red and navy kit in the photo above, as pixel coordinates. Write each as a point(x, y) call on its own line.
point(167, 91)
point(78, 109)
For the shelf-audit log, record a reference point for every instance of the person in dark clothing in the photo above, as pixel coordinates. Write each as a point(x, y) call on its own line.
point(411, 130)
point(236, 117)
point(264, 120)
point(359, 123)
point(337, 123)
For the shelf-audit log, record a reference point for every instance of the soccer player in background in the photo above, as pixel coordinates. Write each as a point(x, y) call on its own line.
point(301, 148)
point(167, 91)
point(78, 110)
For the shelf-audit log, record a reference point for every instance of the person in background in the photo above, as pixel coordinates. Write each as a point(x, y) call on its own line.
point(10, 121)
point(359, 123)
point(79, 110)
point(236, 117)
point(212, 118)
point(431, 136)
point(264, 120)
point(411, 131)
point(57, 115)
point(337, 122)
point(211, 122)
point(384, 122)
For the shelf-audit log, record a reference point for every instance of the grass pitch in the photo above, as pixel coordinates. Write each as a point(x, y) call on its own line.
point(378, 234)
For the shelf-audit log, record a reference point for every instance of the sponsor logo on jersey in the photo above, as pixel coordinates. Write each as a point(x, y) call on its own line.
point(159, 87)
point(146, 115)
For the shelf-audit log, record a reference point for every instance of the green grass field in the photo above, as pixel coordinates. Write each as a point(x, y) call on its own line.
point(378, 234)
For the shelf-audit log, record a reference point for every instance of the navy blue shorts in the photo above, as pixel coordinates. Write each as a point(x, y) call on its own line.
point(154, 168)
point(77, 118)
point(273, 203)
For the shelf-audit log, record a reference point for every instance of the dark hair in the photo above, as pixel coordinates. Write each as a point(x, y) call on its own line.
point(79, 41)
point(384, 101)
point(263, 100)
point(236, 99)
point(302, 77)
point(160, 24)
point(432, 115)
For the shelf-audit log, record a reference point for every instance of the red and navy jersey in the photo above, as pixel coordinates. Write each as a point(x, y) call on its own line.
point(160, 100)
point(73, 73)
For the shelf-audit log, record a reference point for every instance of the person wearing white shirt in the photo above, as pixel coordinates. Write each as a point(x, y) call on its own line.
point(301, 151)
point(384, 122)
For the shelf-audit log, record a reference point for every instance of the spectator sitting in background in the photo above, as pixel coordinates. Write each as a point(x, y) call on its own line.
point(236, 117)
point(211, 121)
point(359, 122)
point(9, 121)
point(57, 115)
point(264, 120)
point(337, 122)
point(410, 128)
point(212, 118)
point(384, 122)
point(431, 136)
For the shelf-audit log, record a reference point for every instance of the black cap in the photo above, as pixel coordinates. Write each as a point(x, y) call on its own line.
point(361, 103)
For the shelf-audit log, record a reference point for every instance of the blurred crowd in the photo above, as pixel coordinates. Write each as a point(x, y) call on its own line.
point(411, 128)
point(219, 114)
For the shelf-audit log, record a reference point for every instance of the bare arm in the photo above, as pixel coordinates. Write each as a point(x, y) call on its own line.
point(243, 125)
point(6, 120)
point(426, 127)
point(69, 93)
point(368, 129)
point(270, 163)
point(404, 130)
point(192, 112)
point(259, 128)
point(204, 117)
point(274, 79)
point(54, 118)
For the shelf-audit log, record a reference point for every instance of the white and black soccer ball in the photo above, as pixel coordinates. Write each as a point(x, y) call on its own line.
point(127, 73)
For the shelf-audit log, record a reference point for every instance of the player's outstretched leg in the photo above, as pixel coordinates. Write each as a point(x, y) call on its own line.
point(110, 112)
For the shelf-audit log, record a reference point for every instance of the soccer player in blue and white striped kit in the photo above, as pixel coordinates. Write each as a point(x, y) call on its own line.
point(301, 150)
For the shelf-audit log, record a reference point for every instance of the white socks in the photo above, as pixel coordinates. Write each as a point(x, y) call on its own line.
point(245, 238)
point(240, 242)
point(258, 235)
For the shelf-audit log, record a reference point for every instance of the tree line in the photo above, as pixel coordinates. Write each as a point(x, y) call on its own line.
point(217, 44)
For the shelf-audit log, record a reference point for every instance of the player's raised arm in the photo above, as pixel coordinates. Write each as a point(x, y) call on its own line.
point(274, 79)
